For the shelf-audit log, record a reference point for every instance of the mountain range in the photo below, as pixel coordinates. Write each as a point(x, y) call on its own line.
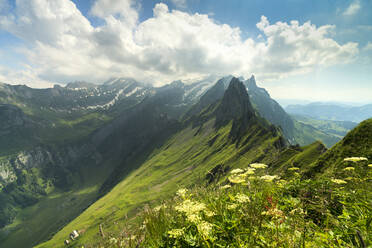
point(97, 153)
point(335, 112)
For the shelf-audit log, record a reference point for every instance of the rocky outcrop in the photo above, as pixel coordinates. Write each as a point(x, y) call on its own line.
point(7, 173)
point(269, 109)
point(235, 106)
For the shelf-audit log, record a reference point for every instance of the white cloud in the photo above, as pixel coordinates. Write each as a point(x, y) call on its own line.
point(353, 8)
point(179, 3)
point(123, 8)
point(27, 76)
point(64, 46)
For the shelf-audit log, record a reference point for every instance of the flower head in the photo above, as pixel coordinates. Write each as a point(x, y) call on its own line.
point(241, 198)
point(237, 171)
point(370, 165)
point(269, 178)
point(175, 233)
point(338, 181)
point(232, 206)
point(355, 159)
point(293, 169)
point(182, 193)
point(258, 166)
point(226, 186)
point(194, 218)
point(349, 168)
point(205, 228)
point(249, 171)
point(237, 178)
point(209, 213)
point(190, 207)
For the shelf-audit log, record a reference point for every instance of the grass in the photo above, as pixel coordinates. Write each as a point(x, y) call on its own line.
point(305, 134)
point(357, 141)
point(259, 211)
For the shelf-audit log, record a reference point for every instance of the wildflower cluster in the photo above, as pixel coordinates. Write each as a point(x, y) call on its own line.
point(355, 159)
point(264, 211)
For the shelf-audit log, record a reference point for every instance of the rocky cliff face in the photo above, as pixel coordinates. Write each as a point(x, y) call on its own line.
point(235, 104)
point(44, 158)
point(270, 109)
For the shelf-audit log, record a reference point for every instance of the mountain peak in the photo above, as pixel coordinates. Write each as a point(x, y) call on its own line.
point(251, 83)
point(235, 105)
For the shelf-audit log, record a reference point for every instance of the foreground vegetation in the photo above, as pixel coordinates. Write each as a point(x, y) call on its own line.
point(253, 209)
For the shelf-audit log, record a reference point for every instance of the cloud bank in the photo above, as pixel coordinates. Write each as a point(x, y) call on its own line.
point(62, 44)
point(353, 8)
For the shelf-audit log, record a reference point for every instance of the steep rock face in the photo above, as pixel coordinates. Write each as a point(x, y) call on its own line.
point(270, 109)
point(235, 105)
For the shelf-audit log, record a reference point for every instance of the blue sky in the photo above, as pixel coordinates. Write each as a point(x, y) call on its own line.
point(317, 50)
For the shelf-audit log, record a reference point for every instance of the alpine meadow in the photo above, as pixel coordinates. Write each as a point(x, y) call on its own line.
point(185, 123)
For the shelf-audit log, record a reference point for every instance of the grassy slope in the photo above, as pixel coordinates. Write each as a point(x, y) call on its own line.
point(300, 157)
point(306, 134)
point(358, 142)
point(336, 128)
point(183, 160)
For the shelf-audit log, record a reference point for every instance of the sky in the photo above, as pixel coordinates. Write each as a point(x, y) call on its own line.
point(319, 50)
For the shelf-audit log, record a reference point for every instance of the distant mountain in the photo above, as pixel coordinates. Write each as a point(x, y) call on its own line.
point(325, 111)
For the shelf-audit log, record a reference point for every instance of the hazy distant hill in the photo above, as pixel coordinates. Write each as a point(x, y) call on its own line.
point(325, 111)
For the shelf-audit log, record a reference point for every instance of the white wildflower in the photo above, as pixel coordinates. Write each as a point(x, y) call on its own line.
point(355, 159)
point(241, 198)
point(237, 171)
point(258, 166)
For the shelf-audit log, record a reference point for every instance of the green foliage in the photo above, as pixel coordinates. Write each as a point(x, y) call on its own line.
point(262, 211)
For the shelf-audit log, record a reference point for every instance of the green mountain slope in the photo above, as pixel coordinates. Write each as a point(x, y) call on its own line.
point(76, 151)
point(357, 143)
point(224, 135)
point(335, 128)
